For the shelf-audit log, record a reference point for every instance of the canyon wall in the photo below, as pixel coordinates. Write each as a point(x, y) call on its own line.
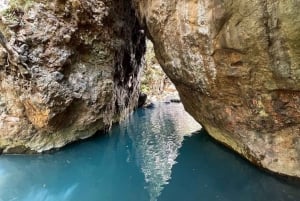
point(236, 67)
point(67, 69)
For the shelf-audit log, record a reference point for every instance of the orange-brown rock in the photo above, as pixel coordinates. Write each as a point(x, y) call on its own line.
point(83, 60)
point(236, 65)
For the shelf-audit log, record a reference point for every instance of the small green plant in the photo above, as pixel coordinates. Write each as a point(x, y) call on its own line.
point(20, 4)
point(10, 15)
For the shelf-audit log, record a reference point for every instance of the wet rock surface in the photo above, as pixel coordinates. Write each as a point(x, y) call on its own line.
point(83, 60)
point(236, 66)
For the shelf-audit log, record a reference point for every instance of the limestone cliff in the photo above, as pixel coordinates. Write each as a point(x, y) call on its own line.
point(69, 68)
point(236, 65)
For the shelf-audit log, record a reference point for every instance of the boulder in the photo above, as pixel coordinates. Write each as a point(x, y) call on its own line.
point(236, 65)
point(83, 60)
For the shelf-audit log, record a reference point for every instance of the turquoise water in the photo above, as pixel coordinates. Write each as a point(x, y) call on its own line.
point(157, 154)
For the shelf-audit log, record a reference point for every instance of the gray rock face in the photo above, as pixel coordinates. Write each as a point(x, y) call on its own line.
point(83, 60)
point(236, 65)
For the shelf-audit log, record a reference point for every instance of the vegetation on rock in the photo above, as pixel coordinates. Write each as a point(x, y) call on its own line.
point(154, 81)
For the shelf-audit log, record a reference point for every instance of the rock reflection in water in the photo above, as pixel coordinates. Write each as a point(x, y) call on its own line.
point(157, 145)
point(140, 153)
point(115, 167)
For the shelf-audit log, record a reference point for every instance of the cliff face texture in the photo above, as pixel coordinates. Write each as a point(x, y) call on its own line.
point(71, 67)
point(236, 67)
point(67, 69)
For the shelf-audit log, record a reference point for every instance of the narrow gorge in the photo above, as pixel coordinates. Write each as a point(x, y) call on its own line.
point(69, 68)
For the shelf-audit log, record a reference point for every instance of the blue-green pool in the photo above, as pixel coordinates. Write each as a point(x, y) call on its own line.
point(156, 154)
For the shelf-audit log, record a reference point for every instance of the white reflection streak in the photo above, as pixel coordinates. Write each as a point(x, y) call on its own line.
point(157, 146)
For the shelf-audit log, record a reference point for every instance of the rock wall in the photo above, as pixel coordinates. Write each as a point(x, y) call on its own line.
point(236, 65)
point(69, 68)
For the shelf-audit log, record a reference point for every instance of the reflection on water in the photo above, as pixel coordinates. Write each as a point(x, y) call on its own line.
point(157, 144)
point(210, 172)
point(146, 158)
point(131, 163)
point(19, 181)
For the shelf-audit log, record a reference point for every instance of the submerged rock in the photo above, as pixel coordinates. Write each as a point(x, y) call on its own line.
point(236, 65)
point(83, 59)
point(142, 99)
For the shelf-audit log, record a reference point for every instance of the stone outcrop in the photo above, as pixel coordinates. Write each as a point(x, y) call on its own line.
point(81, 62)
point(236, 65)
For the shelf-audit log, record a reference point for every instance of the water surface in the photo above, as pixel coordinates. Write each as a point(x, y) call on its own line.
point(157, 154)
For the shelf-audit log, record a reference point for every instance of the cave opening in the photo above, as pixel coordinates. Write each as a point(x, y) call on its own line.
point(154, 81)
